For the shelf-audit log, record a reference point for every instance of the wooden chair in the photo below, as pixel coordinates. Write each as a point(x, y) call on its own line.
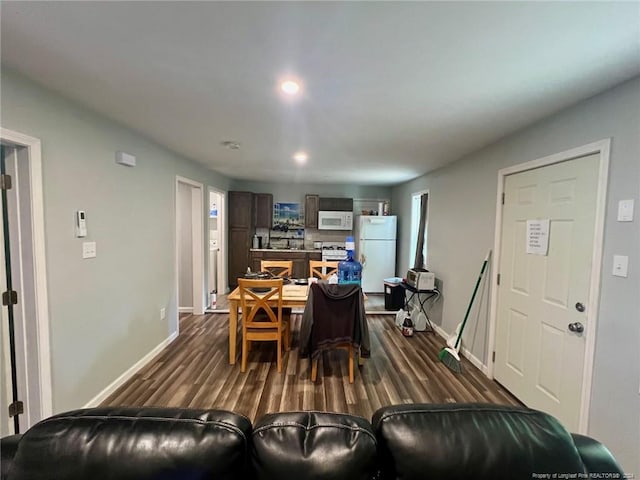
point(315, 269)
point(279, 268)
point(262, 316)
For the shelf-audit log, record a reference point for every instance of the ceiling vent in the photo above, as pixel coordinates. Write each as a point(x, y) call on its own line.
point(231, 145)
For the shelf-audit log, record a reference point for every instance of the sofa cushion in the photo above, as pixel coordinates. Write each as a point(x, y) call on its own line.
point(135, 443)
point(313, 445)
point(462, 441)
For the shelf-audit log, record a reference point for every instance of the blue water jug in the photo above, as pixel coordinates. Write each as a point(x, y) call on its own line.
point(350, 270)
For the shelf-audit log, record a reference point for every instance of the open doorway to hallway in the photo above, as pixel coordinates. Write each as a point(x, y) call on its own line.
point(216, 281)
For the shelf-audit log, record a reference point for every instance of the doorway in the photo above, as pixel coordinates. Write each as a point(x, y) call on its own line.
point(216, 259)
point(190, 246)
point(28, 386)
point(549, 228)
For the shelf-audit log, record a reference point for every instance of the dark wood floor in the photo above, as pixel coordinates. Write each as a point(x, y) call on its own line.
point(194, 372)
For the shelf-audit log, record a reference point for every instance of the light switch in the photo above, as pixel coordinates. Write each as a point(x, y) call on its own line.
point(88, 249)
point(620, 265)
point(625, 210)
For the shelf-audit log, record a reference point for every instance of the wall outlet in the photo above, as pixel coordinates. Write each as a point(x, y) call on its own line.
point(620, 265)
point(163, 313)
point(625, 210)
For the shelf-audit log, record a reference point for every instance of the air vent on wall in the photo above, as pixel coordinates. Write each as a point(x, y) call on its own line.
point(125, 159)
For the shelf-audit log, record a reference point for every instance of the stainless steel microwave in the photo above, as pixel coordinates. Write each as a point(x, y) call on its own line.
point(328, 220)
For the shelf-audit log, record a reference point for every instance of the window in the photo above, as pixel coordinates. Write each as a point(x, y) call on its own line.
point(416, 214)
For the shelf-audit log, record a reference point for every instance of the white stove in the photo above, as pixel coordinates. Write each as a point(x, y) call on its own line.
point(333, 251)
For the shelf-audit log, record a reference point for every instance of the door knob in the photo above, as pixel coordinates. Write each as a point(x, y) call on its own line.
point(579, 307)
point(576, 327)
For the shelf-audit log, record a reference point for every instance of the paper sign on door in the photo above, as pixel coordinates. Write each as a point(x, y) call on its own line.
point(538, 237)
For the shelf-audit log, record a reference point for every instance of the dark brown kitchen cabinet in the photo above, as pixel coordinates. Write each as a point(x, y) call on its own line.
point(315, 256)
point(240, 209)
point(256, 258)
point(300, 264)
point(263, 210)
point(240, 231)
point(311, 207)
point(336, 204)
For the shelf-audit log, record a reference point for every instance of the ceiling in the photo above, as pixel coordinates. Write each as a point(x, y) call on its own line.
point(391, 90)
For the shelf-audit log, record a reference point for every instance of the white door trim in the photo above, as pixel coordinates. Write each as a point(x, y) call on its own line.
point(40, 265)
point(601, 148)
point(197, 247)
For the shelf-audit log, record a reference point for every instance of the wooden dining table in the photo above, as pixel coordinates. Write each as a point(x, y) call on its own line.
point(293, 296)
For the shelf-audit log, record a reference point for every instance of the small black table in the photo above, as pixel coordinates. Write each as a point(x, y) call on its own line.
point(426, 296)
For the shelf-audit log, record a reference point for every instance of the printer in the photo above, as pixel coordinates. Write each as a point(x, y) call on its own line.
point(421, 279)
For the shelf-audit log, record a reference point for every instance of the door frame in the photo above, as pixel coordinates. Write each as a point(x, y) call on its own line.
point(197, 245)
point(42, 342)
point(601, 148)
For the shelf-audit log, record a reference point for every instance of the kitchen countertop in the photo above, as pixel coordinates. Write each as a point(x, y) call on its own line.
point(301, 250)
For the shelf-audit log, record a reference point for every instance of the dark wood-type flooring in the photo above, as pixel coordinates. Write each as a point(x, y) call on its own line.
point(193, 371)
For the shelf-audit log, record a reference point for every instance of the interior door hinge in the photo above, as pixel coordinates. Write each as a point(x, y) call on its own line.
point(493, 357)
point(503, 198)
point(10, 297)
point(16, 408)
point(5, 182)
point(498, 279)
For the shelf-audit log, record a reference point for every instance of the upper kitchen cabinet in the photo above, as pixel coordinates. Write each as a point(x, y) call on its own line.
point(336, 204)
point(263, 210)
point(311, 207)
point(240, 209)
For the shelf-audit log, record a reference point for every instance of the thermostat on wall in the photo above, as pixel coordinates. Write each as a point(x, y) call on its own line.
point(81, 224)
point(127, 159)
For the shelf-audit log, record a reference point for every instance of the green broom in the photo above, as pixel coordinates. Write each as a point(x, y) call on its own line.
point(449, 355)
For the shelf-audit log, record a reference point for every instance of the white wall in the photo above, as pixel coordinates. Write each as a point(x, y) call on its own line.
point(461, 229)
point(104, 312)
point(295, 192)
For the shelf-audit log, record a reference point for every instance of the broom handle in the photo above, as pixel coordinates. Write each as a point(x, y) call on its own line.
point(475, 290)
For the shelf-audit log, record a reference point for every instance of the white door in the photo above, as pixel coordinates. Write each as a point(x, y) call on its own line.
point(25, 208)
point(538, 357)
point(22, 315)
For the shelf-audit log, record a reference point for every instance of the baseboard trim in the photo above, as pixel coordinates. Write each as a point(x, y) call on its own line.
point(102, 396)
point(475, 361)
point(185, 309)
point(216, 310)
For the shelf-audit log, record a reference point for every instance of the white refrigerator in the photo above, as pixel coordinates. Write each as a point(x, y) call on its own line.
point(375, 239)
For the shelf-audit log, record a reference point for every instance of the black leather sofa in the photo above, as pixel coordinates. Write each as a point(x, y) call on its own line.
point(413, 441)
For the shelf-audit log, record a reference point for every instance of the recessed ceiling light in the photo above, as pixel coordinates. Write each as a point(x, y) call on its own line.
point(300, 157)
point(290, 87)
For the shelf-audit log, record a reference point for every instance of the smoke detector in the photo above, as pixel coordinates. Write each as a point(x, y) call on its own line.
point(230, 144)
